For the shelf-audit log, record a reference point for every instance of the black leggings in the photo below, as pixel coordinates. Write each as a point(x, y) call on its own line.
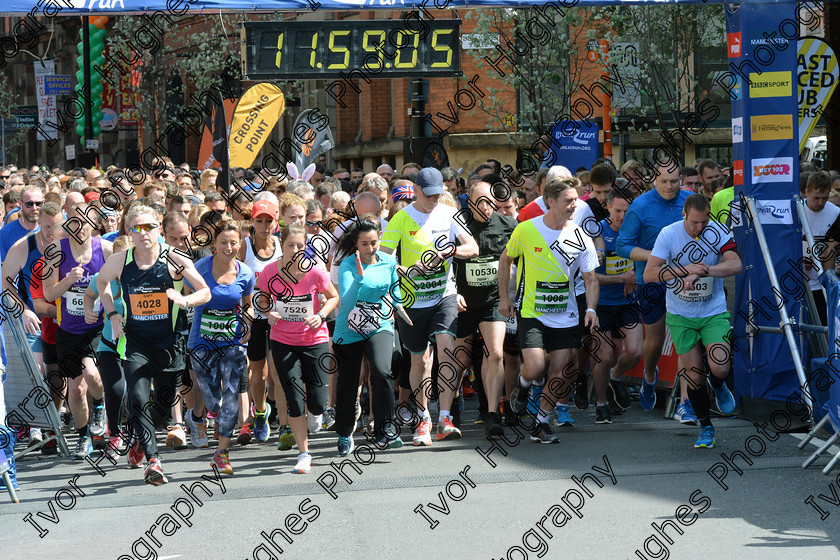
point(113, 382)
point(303, 374)
point(140, 368)
point(378, 349)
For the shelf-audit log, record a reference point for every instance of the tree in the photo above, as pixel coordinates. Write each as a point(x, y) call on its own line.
point(8, 99)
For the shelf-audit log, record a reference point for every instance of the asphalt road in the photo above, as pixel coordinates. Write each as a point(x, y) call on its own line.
point(598, 494)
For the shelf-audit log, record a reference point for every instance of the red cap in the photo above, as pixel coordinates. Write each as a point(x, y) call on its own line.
point(264, 207)
point(91, 196)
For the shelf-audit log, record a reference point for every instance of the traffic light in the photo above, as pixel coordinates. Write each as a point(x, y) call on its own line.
point(96, 30)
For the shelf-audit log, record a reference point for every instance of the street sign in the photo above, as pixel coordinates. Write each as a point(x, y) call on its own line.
point(61, 84)
point(26, 115)
point(91, 144)
point(9, 127)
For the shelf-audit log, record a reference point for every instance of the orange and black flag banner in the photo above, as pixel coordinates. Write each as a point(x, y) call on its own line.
point(255, 116)
point(213, 153)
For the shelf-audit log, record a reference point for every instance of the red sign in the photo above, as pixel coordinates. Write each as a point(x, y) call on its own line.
point(738, 172)
point(733, 44)
point(128, 98)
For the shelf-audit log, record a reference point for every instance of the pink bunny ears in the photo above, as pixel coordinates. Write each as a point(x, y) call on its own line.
point(295, 174)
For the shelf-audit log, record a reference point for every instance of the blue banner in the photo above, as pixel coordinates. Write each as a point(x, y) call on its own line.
point(573, 144)
point(762, 48)
point(61, 84)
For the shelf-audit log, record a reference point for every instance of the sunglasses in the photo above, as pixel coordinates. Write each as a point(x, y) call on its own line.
point(310, 224)
point(142, 227)
point(31, 203)
point(4, 177)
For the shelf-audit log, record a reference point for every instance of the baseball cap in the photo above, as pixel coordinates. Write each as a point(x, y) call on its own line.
point(430, 181)
point(91, 196)
point(264, 207)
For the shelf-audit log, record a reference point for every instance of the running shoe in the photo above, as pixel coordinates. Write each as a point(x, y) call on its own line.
point(369, 426)
point(685, 414)
point(386, 442)
point(534, 398)
point(582, 393)
point(198, 430)
point(518, 399)
point(136, 456)
point(725, 400)
point(707, 437)
point(286, 440)
point(494, 427)
point(404, 416)
point(563, 416)
point(422, 435)
point(100, 442)
point(511, 419)
point(314, 422)
point(115, 446)
point(647, 395)
point(482, 418)
point(304, 464)
point(222, 462)
point(35, 437)
point(329, 419)
point(176, 437)
point(602, 414)
point(544, 434)
point(51, 447)
point(447, 430)
point(154, 473)
point(245, 435)
point(261, 426)
point(345, 446)
point(619, 393)
point(84, 448)
point(98, 424)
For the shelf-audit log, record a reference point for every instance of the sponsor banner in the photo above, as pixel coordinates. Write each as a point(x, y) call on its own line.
point(733, 44)
point(46, 102)
point(771, 84)
point(212, 154)
point(738, 172)
point(774, 212)
point(772, 170)
point(574, 144)
point(817, 78)
point(737, 130)
point(254, 118)
point(771, 127)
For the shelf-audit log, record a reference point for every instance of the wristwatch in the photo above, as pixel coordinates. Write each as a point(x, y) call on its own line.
point(112, 313)
point(323, 319)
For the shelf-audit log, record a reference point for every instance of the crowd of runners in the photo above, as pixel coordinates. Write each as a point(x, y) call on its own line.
point(162, 306)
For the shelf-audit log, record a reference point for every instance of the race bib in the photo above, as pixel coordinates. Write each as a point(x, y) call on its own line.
point(74, 299)
point(365, 318)
point(616, 264)
point(149, 307)
point(702, 291)
point(482, 271)
point(295, 308)
point(430, 286)
point(551, 297)
point(218, 323)
point(510, 324)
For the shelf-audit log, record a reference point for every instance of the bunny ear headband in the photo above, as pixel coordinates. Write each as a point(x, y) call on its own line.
point(295, 174)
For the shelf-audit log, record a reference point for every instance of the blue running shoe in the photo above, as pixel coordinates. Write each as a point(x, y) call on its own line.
point(345, 445)
point(725, 400)
point(685, 414)
point(647, 395)
point(534, 399)
point(563, 416)
point(261, 428)
point(707, 437)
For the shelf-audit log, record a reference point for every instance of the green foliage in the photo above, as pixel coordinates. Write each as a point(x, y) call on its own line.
point(9, 97)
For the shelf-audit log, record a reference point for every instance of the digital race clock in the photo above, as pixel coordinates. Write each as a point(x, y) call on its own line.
point(293, 50)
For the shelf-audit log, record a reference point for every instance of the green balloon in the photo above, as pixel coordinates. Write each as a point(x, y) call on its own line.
point(81, 46)
point(98, 35)
point(80, 76)
point(99, 60)
point(80, 61)
point(97, 130)
point(95, 88)
point(80, 130)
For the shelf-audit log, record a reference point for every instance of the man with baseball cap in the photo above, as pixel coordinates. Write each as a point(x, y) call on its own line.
point(426, 233)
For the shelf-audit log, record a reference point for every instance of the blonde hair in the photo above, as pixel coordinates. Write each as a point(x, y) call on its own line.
point(287, 200)
point(196, 212)
point(205, 176)
point(449, 200)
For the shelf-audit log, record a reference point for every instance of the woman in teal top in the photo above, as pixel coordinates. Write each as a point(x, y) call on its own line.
point(370, 295)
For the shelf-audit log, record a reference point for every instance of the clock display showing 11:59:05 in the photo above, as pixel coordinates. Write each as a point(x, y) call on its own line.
point(325, 48)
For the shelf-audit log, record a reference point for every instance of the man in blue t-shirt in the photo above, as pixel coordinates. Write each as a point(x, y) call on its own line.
point(649, 213)
point(619, 315)
point(31, 200)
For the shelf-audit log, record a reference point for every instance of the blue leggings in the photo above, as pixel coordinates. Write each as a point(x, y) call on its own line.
point(218, 377)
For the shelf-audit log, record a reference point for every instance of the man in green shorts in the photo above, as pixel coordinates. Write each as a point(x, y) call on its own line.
point(692, 257)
